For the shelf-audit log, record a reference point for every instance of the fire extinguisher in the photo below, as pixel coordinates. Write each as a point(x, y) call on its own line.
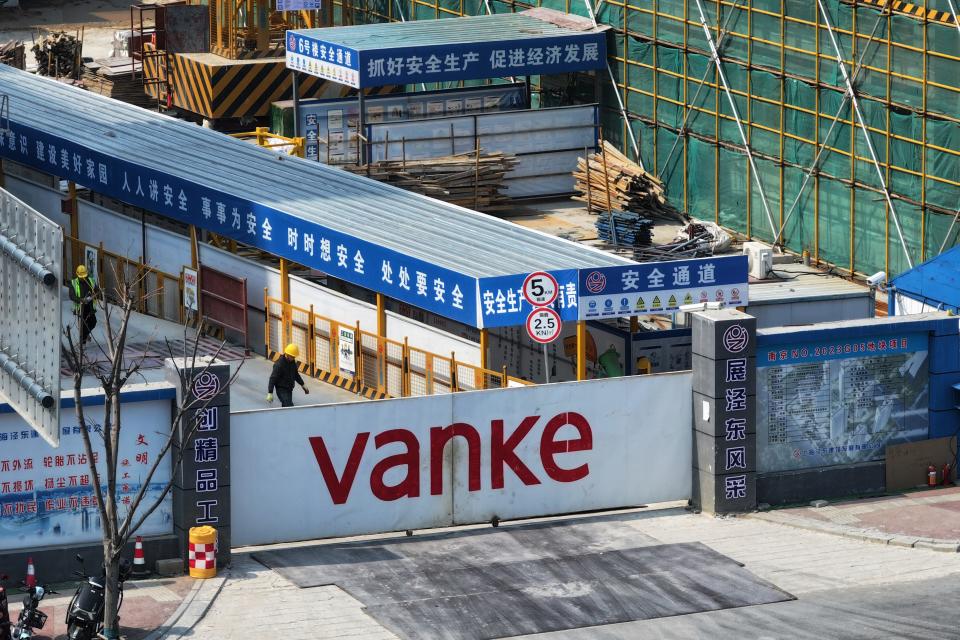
point(946, 474)
point(931, 476)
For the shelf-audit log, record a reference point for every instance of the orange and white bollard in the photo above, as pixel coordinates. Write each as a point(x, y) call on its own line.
point(139, 562)
point(31, 580)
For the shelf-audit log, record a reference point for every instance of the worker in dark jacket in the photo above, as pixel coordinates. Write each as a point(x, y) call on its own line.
point(284, 375)
point(83, 292)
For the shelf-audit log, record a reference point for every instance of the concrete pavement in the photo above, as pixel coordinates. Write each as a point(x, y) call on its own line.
point(928, 518)
point(836, 580)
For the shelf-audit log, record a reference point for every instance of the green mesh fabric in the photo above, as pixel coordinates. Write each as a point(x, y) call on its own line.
point(768, 59)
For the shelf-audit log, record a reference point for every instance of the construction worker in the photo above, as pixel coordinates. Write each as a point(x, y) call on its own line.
point(83, 292)
point(285, 373)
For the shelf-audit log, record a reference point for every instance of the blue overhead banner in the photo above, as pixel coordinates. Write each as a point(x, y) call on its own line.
point(430, 287)
point(446, 62)
point(502, 303)
point(658, 287)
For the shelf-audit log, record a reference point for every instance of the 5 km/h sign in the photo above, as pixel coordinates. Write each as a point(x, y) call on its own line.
point(543, 325)
point(540, 289)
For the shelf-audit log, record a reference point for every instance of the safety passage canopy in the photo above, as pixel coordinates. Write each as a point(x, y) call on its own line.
point(533, 42)
point(936, 282)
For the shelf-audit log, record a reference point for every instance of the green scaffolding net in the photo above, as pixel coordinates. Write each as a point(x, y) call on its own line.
point(780, 62)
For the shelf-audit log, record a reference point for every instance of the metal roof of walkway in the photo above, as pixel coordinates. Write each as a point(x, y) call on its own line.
point(409, 247)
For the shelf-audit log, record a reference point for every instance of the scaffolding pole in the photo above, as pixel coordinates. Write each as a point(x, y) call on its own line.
point(953, 12)
point(863, 127)
point(956, 23)
point(815, 165)
point(616, 90)
point(715, 55)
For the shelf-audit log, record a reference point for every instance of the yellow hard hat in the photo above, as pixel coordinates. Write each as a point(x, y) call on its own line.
point(292, 350)
point(82, 271)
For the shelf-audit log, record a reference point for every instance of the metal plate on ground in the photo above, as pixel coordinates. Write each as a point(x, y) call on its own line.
point(524, 579)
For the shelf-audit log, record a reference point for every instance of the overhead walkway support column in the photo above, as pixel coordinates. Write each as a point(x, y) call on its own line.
point(581, 350)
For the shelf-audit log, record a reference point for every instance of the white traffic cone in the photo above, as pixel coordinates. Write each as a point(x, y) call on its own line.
point(139, 563)
point(31, 580)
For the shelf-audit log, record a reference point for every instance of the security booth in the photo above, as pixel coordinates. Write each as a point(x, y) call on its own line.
point(418, 54)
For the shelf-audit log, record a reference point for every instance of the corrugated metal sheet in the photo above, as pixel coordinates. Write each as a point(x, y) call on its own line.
point(424, 33)
point(452, 237)
point(935, 282)
point(798, 282)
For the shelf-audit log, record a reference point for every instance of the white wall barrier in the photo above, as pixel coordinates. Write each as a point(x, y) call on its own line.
point(414, 463)
point(44, 199)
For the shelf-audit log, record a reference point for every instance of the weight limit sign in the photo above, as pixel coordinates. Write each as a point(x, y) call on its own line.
point(543, 325)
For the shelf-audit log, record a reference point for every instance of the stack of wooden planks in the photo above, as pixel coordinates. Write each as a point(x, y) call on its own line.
point(58, 54)
point(13, 53)
point(470, 180)
point(610, 180)
point(114, 78)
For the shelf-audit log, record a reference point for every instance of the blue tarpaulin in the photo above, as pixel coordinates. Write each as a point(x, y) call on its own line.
point(533, 42)
point(936, 282)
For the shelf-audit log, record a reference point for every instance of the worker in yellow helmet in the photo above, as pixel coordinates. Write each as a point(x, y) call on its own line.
point(284, 375)
point(83, 292)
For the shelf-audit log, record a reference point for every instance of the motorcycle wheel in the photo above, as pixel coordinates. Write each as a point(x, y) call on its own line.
point(77, 632)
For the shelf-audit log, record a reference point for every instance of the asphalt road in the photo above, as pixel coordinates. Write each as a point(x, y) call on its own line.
point(923, 609)
point(844, 588)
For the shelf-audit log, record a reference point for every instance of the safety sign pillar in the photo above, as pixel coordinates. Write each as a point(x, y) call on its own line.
point(201, 487)
point(724, 411)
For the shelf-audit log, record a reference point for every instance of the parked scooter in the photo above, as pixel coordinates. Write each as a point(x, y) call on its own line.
point(5, 623)
point(31, 617)
point(85, 613)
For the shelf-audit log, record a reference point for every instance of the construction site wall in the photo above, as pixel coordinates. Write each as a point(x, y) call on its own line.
point(781, 66)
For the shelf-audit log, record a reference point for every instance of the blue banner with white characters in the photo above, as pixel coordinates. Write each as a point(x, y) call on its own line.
point(430, 287)
point(502, 303)
point(657, 287)
point(323, 59)
point(447, 62)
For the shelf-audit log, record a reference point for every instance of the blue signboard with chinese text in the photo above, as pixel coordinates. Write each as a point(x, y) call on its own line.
point(444, 62)
point(822, 350)
point(323, 59)
point(411, 280)
point(502, 303)
point(661, 287)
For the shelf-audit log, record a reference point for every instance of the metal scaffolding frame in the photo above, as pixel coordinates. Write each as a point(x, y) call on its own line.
point(616, 90)
point(815, 165)
point(715, 55)
point(852, 93)
point(781, 68)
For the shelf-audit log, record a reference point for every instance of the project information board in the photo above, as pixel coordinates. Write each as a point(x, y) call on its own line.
point(827, 404)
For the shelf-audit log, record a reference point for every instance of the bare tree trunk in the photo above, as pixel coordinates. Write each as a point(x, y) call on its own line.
point(111, 594)
point(117, 528)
